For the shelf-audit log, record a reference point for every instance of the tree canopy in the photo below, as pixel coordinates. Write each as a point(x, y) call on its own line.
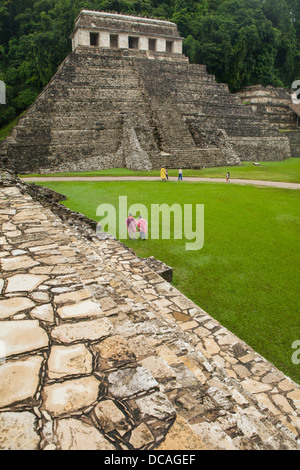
point(242, 42)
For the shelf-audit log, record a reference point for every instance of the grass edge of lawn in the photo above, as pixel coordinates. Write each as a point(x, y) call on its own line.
point(287, 171)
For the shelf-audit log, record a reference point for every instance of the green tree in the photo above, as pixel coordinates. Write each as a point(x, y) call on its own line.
point(242, 42)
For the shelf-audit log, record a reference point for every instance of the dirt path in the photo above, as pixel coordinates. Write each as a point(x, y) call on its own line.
point(272, 184)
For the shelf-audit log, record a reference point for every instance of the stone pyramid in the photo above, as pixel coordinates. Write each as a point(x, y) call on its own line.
point(137, 105)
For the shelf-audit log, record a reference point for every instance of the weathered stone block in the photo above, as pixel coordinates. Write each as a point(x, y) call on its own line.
point(73, 434)
point(21, 336)
point(69, 360)
point(83, 330)
point(18, 431)
point(108, 108)
point(19, 380)
point(131, 381)
point(9, 307)
point(70, 395)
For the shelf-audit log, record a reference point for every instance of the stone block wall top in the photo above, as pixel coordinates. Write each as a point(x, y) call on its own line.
point(101, 29)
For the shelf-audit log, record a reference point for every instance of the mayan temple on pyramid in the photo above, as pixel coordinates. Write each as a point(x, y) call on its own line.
point(126, 96)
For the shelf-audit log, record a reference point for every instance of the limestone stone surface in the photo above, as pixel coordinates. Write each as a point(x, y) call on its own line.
point(72, 296)
point(70, 395)
point(156, 405)
point(19, 380)
point(43, 312)
point(69, 360)
point(182, 437)
point(24, 282)
point(213, 435)
point(110, 417)
point(158, 368)
point(294, 395)
point(73, 434)
point(87, 308)
point(107, 303)
point(113, 352)
point(141, 436)
point(89, 330)
point(255, 386)
point(18, 431)
point(14, 305)
point(131, 381)
point(40, 296)
point(22, 336)
point(17, 262)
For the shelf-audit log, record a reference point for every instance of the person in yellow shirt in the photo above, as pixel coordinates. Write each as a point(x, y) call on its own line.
point(163, 174)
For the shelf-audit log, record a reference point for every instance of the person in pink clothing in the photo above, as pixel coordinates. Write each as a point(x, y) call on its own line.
point(143, 226)
point(131, 226)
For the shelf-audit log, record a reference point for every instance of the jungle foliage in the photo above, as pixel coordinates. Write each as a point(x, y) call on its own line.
point(242, 42)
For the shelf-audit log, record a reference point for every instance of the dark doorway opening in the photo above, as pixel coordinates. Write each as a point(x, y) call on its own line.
point(152, 44)
point(133, 42)
point(169, 46)
point(94, 39)
point(114, 40)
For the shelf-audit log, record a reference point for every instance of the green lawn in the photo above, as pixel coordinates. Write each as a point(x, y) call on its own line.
point(247, 273)
point(286, 170)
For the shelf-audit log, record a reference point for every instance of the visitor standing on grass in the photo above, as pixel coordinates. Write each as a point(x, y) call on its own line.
point(163, 174)
point(131, 226)
point(228, 177)
point(143, 227)
point(167, 177)
point(180, 174)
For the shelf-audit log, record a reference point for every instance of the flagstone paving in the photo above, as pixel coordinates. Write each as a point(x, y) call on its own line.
point(97, 351)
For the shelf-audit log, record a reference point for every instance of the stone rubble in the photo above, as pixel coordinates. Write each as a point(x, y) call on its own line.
point(98, 351)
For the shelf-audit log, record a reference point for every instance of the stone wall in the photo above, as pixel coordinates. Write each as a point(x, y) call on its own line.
point(294, 137)
point(273, 103)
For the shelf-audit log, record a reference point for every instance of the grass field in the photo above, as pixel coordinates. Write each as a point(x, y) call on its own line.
point(286, 170)
point(247, 273)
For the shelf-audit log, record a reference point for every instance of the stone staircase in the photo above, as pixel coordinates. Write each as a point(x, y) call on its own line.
point(77, 122)
point(97, 351)
point(181, 147)
point(207, 105)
